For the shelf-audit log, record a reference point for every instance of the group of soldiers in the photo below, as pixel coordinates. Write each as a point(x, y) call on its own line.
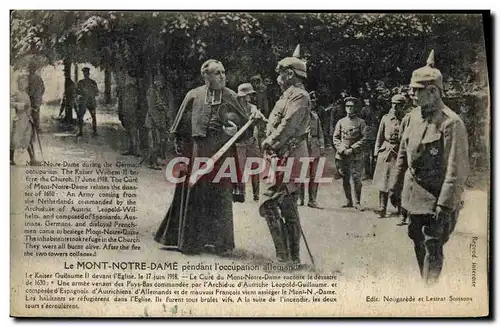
point(421, 162)
point(138, 112)
point(421, 156)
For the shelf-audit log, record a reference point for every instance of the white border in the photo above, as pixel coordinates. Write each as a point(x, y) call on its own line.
point(185, 5)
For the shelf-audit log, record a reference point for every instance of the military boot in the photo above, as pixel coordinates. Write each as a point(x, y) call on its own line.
point(255, 187)
point(293, 230)
point(280, 240)
point(383, 198)
point(357, 191)
point(348, 195)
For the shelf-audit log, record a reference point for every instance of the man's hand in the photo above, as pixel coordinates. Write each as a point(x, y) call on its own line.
point(230, 130)
point(256, 114)
point(266, 147)
point(178, 146)
point(442, 215)
point(348, 152)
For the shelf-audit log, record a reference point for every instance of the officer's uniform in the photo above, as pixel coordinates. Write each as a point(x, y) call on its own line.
point(261, 99)
point(350, 133)
point(402, 127)
point(249, 147)
point(432, 167)
point(87, 91)
point(337, 113)
point(316, 147)
point(128, 113)
point(386, 150)
point(368, 115)
point(286, 134)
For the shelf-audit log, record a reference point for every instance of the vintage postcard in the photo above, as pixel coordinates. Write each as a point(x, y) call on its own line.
point(249, 164)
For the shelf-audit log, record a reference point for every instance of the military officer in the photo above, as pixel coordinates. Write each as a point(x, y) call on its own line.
point(316, 147)
point(286, 136)
point(156, 120)
point(128, 113)
point(431, 170)
point(367, 113)
point(36, 89)
point(349, 139)
point(249, 147)
point(87, 91)
point(386, 150)
point(68, 101)
point(404, 123)
point(261, 98)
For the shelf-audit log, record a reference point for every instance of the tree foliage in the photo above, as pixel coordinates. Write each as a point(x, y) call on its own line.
point(353, 52)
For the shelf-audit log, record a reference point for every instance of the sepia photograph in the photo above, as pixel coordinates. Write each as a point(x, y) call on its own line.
point(250, 163)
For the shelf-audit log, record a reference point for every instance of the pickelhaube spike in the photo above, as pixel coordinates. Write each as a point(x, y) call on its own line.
point(296, 53)
point(430, 61)
point(427, 75)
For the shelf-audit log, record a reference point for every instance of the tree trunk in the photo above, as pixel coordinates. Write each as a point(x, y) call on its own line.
point(76, 73)
point(107, 86)
point(66, 105)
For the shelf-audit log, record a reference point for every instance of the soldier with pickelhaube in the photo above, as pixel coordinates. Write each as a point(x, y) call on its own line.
point(286, 137)
point(432, 168)
point(349, 139)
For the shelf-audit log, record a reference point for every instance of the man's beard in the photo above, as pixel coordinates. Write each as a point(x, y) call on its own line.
point(427, 110)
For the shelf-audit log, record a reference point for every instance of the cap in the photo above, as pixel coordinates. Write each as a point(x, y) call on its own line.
point(85, 69)
point(245, 89)
point(398, 98)
point(354, 101)
point(296, 64)
point(427, 75)
point(256, 77)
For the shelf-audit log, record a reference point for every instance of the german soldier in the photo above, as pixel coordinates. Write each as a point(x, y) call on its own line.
point(316, 147)
point(411, 105)
point(156, 120)
point(386, 150)
point(249, 147)
point(128, 115)
point(68, 101)
point(367, 113)
point(349, 139)
point(432, 167)
point(287, 131)
point(36, 89)
point(87, 91)
point(261, 99)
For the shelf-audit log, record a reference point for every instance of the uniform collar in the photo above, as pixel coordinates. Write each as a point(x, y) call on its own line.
point(391, 114)
point(290, 89)
point(432, 117)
